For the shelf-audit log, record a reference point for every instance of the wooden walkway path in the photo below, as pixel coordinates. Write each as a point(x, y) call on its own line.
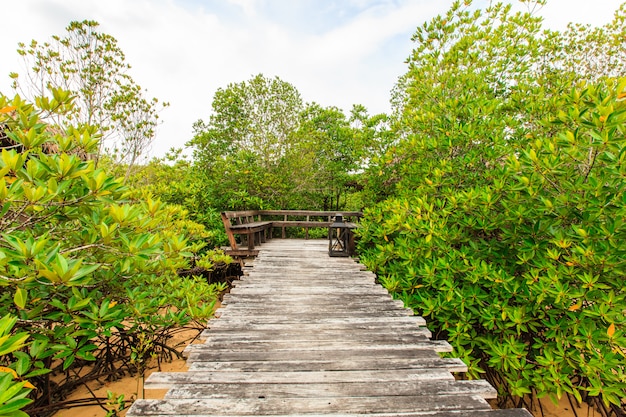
point(306, 334)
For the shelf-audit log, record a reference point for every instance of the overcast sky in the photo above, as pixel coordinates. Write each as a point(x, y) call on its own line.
point(335, 52)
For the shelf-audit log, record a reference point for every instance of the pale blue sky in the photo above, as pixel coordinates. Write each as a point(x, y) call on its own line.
point(335, 52)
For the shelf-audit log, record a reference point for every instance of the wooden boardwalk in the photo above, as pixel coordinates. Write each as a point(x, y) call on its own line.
point(306, 334)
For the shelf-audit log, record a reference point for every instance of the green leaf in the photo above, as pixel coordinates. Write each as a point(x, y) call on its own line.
point(20, 297)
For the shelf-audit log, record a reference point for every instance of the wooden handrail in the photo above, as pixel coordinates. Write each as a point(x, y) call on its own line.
point(263, 221)
point(312, 213)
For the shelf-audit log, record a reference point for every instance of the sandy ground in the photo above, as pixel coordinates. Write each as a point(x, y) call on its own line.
point(564, 409)
point(130, 387)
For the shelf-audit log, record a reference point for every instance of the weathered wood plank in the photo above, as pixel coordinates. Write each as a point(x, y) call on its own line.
point(355, 308)
point(250, 290)
point(317, 300)
point(238, 327)
point(303, 280)
point(409, 321)
point(315, 292)
point(271, 331)
point(436, 345)
point(167, 379)
point(310, 213)
point(309, 355)
point(517, 412)
point(241, 252)
point(264, 290)
point(281, 406)
point(244, 287)
point(449, 364)
point(339, 389)
point(302, 311)
point(295, 335)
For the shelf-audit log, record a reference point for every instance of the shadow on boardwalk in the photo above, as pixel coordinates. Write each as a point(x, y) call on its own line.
point(306, 334)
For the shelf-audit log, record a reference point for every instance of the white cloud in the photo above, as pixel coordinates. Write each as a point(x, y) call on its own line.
point(248, 6)
point(558, 13)
point(335, 53)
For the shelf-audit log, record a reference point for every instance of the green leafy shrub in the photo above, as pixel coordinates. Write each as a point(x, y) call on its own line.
point(503, 203)
point(87, 265)
point(523, 275)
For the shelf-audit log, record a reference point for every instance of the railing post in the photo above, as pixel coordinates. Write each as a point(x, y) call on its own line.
point(306, 229)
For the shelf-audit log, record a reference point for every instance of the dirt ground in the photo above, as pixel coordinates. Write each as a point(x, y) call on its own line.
point(565, 409)
point(130, 387)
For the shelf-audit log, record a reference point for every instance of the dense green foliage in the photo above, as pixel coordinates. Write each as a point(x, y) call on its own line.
point(503, 211)
point(496, 190)
point(263, 148)
point(177, 181)
point(87, 266)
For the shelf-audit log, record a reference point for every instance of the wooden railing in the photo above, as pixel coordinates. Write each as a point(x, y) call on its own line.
point(256, 226)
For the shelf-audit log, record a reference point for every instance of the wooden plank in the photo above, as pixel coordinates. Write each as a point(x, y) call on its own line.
point(436, 345)
point(315, 336)
point(321, 303)
point(301, 223)
point(281, 406)
point(238, 328)
point(310, 213)
point(312, 310)
point(449, 364)
point(339, 389)
point(302, 312)
point(516, 412)
point(321, 279)
point(339, 274)
point(250, 289)
point(310, 355)
point(252, 294)
point(167, 379)
point(320, 321)
point(250, 226)
point(229, 234)
point(250, 284)
point(242, 213)
point(363, 305)
point(313, 298)
point(250, 323)
point(241, 252)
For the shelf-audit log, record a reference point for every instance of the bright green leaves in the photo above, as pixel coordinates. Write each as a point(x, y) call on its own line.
point(85, 264)
point(10, 342)
point(59, 103)
point(505, 219)
point(67, 271)
point(13, 392)
point(526, 272)
point(11, 161)
point(20, 297)
point(12, 396)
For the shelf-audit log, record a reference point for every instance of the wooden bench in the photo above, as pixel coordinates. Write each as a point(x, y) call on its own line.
point(247, 224)
point(256, 226)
